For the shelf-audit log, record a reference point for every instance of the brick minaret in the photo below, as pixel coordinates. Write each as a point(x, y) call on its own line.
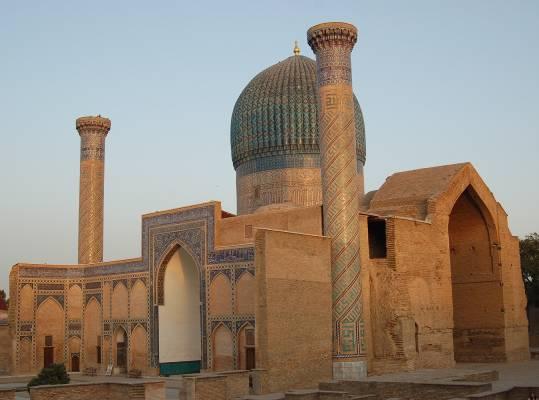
point(92, 131)
point(341, 191)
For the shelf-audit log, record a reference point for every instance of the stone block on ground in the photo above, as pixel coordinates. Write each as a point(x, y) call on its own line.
point(204, 387)
point(7, 394)
point(237, 383)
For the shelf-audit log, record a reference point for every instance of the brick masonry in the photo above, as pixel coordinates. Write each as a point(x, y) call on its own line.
point(205, 387)
point(293, 310)
point(7, 394)
point(108, 390)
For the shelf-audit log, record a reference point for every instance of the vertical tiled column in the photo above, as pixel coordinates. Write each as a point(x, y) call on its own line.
point(341, 191)
point(92, 131)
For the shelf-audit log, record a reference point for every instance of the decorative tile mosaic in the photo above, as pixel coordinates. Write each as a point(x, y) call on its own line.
point(50, 286)
point(277, 114)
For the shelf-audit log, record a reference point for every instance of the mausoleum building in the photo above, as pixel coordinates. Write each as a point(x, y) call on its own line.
point(313, 278)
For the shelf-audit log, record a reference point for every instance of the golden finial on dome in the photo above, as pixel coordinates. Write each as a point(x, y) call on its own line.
point(296, 48)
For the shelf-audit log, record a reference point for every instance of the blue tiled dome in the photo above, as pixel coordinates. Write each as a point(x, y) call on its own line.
point(277, 114)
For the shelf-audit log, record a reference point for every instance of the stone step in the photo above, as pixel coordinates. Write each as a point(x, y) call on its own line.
point(482, 376)
point(502, 394)
point(362, 397)
point(271, 396)
point(315, 394)
point(137, 392)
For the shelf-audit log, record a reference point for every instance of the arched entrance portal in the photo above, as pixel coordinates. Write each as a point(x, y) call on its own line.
point(179, 316)
point(478, 333)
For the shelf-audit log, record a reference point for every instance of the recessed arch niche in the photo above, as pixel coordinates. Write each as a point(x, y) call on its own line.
point(180, 339)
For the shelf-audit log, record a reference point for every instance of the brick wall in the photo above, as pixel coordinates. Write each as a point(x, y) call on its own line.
point(231, 231)
point(5, 349)
point(154, 391)
point(293, 309)
point(7, 394)
point(408, 390)
point(459, 268)
point(204, 387)
point(237, 383)
point(409, 293)
point(106, 391)
point(315, 395)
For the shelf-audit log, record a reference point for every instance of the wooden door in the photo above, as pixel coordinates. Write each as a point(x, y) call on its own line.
point(249, 358)
point(48, 356)
point(75, 364)
point(121, 355)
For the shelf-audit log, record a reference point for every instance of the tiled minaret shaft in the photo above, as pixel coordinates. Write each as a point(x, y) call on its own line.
point(341, 190)
point(92, 131)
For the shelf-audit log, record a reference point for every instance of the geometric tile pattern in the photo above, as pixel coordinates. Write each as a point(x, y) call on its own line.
point(192, 228)
point(277, 114)
point(92, 131)
point(332, 45)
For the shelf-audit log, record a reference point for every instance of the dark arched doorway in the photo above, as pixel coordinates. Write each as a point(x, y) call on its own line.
point(478, 333)
point(120, 341)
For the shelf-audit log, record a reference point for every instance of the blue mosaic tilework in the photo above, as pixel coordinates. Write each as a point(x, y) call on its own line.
point(226, 272)
point(240, 323)
point(42, 297)
point(232, 255)
point(179, 368)
point(90, 295)
point(277, 114)
point(73, 273)
point(278, 162)
point(238, 272)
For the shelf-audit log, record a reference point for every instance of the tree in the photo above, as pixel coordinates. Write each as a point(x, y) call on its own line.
point(56, 374)
point(3, 301)
point(529, 260)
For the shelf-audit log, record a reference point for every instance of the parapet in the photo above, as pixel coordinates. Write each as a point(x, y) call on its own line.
point(331, 34)
point(93, 123)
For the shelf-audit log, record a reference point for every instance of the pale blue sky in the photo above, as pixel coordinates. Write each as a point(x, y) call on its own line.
point(439, 82)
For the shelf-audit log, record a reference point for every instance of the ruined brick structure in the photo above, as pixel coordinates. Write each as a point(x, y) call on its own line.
point(429, 273)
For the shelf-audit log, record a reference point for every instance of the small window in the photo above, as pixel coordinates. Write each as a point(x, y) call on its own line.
point(249, 337)
point(98, 349)
point(48, 341)
point(257, 192)
point(248, 231)
point(377, 237)
point(416, 338)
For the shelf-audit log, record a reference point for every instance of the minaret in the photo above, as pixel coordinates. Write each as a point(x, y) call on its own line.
point(341, 191)
point(92, 131)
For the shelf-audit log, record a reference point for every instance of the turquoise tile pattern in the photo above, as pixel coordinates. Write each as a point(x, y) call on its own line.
point(277, 115)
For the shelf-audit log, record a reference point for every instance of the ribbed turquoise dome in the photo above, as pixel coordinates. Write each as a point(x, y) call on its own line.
point(277, 114)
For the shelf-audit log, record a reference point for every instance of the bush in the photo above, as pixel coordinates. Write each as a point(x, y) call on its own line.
point(56, 374)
